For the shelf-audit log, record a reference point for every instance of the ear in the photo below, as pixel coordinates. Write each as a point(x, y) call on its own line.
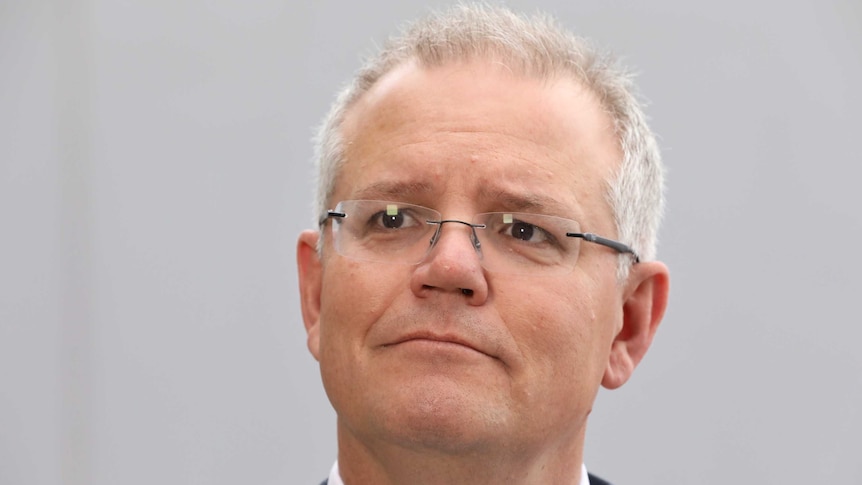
point(644, 301)
point(310, 277)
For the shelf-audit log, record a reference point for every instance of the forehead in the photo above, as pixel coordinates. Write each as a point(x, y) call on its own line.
point(476, 130)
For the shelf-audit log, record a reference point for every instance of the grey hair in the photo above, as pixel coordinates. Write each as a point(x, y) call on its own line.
point(537, 47)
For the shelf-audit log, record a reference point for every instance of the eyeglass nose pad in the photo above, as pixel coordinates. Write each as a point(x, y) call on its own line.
point(474, 238)
point(434, 236)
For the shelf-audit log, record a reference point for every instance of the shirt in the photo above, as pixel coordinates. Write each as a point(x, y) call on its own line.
point(335, 476)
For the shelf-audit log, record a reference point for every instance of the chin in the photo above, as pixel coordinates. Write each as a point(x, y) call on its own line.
point(449, 417)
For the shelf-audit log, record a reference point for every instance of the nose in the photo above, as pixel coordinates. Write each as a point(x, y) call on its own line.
point(453, 264)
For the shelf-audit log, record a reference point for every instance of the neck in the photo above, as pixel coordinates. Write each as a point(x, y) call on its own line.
point(383, 463)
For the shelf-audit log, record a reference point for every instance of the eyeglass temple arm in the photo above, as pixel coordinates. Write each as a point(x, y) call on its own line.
point(330, 213)
point(616, 245)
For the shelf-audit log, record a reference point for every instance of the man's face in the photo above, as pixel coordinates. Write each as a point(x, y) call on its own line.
point(407, 356)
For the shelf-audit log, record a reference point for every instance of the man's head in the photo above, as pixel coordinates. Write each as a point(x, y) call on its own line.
point(490, 345)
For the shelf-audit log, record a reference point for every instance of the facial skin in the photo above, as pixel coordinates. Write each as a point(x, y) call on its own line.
point(432, 384)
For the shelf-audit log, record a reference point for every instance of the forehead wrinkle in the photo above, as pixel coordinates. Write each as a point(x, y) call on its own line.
point(523, 201)
point(392, 190)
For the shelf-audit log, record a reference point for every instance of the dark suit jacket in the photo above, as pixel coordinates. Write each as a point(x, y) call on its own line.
point(594, 480)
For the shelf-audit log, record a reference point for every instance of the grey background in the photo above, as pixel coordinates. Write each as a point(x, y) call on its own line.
point(154, 174)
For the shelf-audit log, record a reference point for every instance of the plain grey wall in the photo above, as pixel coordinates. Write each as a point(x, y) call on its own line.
point(154, 174)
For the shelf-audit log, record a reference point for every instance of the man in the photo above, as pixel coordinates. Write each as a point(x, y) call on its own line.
point(462, 309)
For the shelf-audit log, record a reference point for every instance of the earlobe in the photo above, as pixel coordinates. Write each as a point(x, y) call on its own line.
point(310, 278)
point(644, 303)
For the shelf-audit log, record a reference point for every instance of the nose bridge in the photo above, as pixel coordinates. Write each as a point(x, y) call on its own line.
point(473, 237)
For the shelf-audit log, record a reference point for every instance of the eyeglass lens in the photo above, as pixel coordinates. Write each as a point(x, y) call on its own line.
point(507, 242)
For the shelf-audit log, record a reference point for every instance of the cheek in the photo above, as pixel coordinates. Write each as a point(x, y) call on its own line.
point(560, 332)
point(354, 295)
point(547, 324)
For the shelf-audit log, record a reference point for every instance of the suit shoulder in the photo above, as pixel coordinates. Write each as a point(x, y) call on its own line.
point(594, 480)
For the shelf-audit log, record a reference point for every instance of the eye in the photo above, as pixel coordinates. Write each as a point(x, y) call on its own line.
point(527, 232)
point(522, 230)
point(394, 217)
point(392, 221)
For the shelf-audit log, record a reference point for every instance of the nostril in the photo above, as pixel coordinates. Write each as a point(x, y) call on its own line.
point(466, 291)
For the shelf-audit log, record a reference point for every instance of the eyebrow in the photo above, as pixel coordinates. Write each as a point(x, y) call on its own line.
point(389, 190)
point(523, 202)
point(503, 199)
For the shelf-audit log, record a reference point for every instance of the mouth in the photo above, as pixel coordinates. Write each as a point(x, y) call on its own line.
point(437, 341)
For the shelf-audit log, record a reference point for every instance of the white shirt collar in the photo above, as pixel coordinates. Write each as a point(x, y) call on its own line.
point(585, 478)
point(335, 476)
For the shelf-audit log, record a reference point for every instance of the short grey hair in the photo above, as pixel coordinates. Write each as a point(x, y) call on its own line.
point(534, 46)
